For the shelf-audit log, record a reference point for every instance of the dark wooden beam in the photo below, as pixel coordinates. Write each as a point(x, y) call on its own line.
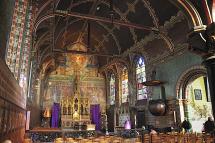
point(84, 53)
point(105, 20)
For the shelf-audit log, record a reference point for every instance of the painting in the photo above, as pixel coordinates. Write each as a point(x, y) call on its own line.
point(198, 94)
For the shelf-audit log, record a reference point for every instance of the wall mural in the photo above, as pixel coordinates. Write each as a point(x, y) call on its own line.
point(61, 82)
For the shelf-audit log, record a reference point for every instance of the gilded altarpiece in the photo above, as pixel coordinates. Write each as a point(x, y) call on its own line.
point(75, 84)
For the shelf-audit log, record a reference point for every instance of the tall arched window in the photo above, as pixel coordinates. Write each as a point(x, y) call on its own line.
point(112, 89)
point(124, 78)
point(141, 77)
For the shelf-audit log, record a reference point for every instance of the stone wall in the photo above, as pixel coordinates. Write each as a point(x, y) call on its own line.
point(12, 107)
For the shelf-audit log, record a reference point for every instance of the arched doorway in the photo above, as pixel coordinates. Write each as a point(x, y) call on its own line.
point(199, 103)
point(194, 97)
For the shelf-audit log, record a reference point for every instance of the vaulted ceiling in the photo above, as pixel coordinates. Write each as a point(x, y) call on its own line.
point(153, 28)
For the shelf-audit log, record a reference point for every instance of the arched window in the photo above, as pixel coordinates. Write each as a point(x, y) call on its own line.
point(112, 89)
point(124, 78)
point(141, 77)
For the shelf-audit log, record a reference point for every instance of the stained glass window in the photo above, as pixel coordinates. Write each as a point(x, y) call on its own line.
point(141, 77)
point(124, 85)
point(112, 89)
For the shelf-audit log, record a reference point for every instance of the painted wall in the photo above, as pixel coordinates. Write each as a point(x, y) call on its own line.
point(62, 82)
point(12, 102)
point(169, 72)
point(6, 15)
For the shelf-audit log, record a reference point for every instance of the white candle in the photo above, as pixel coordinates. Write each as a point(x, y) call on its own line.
point(174, 116)
point(135, 120)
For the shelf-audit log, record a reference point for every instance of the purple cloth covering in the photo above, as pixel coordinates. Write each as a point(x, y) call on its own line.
point(95, 115)
point(55, 115)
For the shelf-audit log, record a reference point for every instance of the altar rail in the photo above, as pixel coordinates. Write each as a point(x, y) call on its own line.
point(50, 134)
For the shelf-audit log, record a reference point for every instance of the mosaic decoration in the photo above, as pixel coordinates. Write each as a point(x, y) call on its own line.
point(112, 89)
point(124, 85)
point(18, 48)
point(141, 77)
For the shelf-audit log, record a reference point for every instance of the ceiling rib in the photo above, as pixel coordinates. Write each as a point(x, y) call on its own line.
point(105, 20)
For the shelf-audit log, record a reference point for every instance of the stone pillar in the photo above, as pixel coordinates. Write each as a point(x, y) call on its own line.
point(179, 111)
point(132, 95)
point(210, 66)
point(185, 105)
point(205, 47)
point(117, 99)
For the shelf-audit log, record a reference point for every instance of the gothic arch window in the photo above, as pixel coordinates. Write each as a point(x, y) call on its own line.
point(124, 83)
point(112, 89)
point(141, 77)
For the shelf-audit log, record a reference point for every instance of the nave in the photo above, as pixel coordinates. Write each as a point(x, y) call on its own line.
point(107, 71)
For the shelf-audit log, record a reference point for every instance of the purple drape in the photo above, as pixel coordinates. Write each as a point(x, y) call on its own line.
point(55, 115)
point(95, 115)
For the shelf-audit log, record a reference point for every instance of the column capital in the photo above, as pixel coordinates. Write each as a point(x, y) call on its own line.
point(202, 40)
point(210, 60)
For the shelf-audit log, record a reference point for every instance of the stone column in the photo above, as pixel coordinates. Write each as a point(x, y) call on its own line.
point(132, 94)
point(210, 66)
point(205, 47)
point(117, 99)
point(185, 105)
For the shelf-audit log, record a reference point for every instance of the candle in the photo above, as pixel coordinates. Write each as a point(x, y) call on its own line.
point(135, 120)
point(174, 116)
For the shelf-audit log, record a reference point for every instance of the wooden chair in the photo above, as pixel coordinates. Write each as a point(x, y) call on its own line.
point(116, 141)
point(146, 138)
point(27, 140)
point(59, 140)
point(154, 138)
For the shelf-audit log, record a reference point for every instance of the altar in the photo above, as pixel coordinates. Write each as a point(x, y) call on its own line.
point(75, 110)
point(76, 93)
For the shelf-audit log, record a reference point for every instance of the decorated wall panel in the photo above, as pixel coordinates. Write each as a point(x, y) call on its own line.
point(62, 82)
point(19, 43)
